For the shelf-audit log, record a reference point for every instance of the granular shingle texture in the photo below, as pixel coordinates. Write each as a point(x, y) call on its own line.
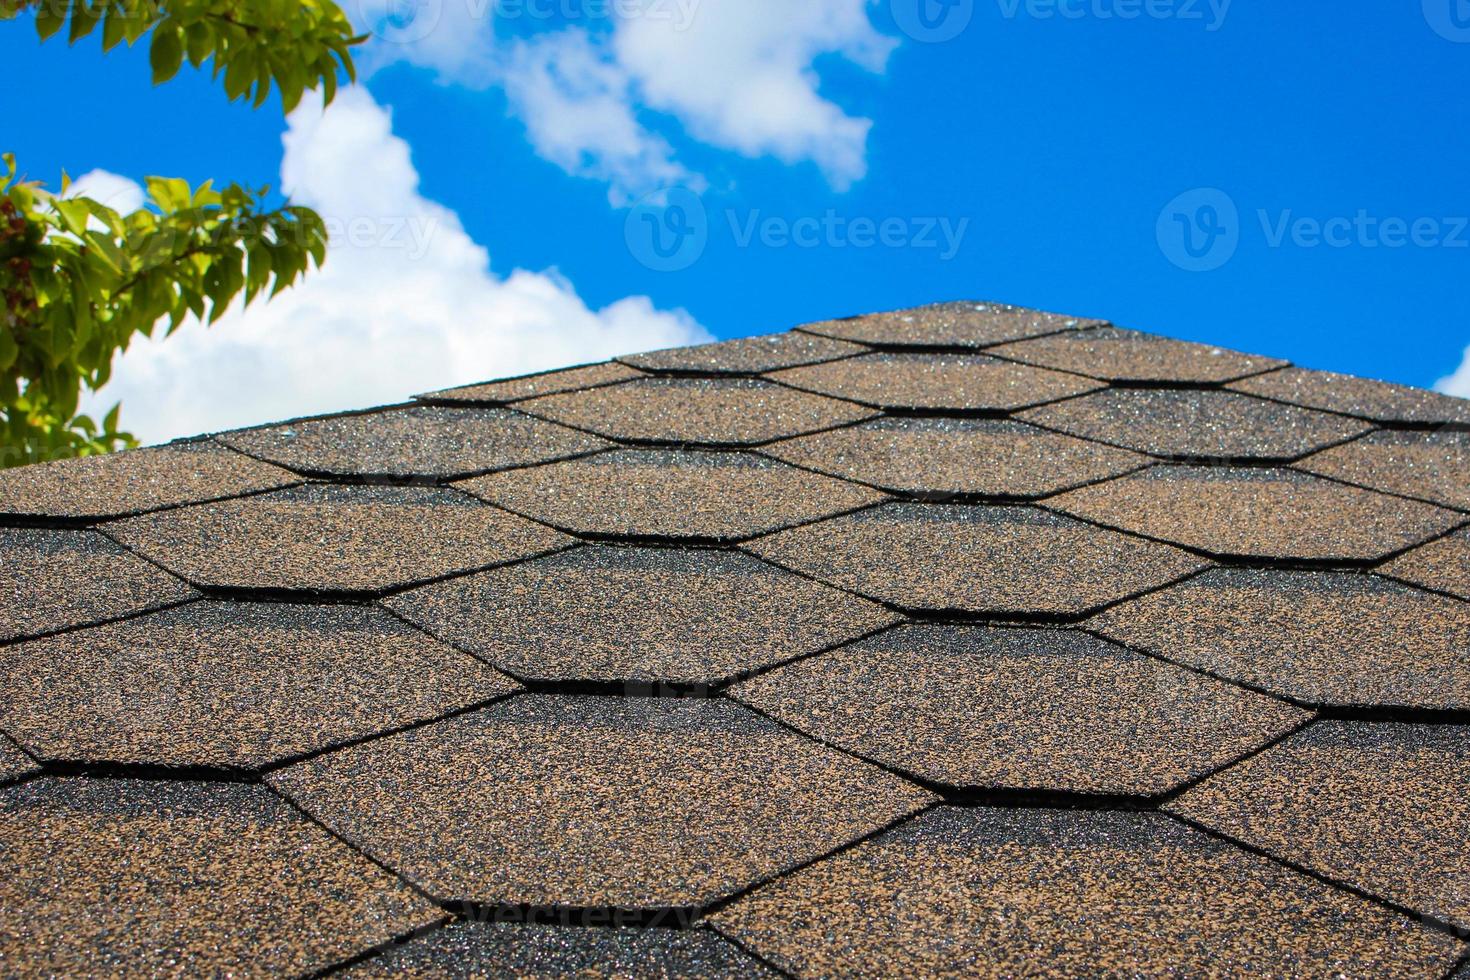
point(1128, 356)
point(630, 803)
point(135, 878)
point(1432, 466)
point(1010, 561)
point(1220, 425)
point(672, 495)
point(1376, 401)
point(421, 441)
point(1443, 565)
point(1275, 514)
point(535, 385)
point(955, 383)
point(509, 951)
point(14, 764)
point(331, 539)
point(1320, 638)
point(944, 458)
point(650, 615)
point(55, 580)
point(986, 892)
point(1382, 807)
point(956, 325)
point(696, 411)
point(97, 487)
point(230, 685)
point(748, 355)
point(1027, 710)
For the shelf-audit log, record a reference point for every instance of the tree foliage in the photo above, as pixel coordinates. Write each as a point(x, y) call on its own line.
point(80, 281)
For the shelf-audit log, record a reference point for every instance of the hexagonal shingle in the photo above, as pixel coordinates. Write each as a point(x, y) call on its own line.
point(533, 385)
point(996, 560)
point(984, 892)
point(138, 878)
point(422, 441)
point(664, 494)
point(696, 411)
point(747, 355)
point(512, 949)
point(1321, 638)
point(1382, 807)
point(1220, 425)
point(944, 458)
point(96, 487)
point(1443, 565)
point(231, 685)
point(56, 580)
point(1258, 513)
point(1129, 356)
point(329, 539)
point(671, 802)
point(1019, 710)
point(14, 764)
point(936, 382)
point(957, 325)
point(1376, 401)
point(1432, 466)
point(639, 615)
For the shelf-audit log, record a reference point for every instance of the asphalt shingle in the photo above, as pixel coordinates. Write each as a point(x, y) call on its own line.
point(625, 803)
point(1382, 807)
point(1131, 357)
point(962, 325)
point(1010, 561)
point(1443, 565)
point(425, 442)
point(747, 355)
point(1432, 466)
point(985, 892)
point(333, 539)
point(534, 385)
point(14, 764)
point(639, 616)
point(230, 685)
point(1376, 401)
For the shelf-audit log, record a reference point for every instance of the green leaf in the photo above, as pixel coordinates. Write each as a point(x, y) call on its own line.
point(166, 54)
point(49, 19)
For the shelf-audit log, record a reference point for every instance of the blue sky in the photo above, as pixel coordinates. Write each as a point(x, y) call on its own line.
point(1051, 153)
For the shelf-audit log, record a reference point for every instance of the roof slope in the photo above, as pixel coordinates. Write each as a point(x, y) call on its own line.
point(967, 640)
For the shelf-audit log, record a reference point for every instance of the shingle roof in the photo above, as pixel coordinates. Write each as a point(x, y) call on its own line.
point(967, 640)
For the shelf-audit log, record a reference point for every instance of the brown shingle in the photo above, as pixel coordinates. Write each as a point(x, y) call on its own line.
point(1317, 637)
point(982, 892)
point(939, 458)
point(629, 803)
point(748, 355)
point(639, 615)
point(696, 411)
point(1129, 356)
point(1432, 466)
point(421, 441)
point(957, 325)
point(328, 539)
point(663, 494)
point(14, 764)
point(230, 685)
point(1360, 397)
point(507, 950)
point(103, 877)
point(935, 382)
point(1258, 513)
point(1220, 425)
point(96, 487)
point(994, 560)
point(55, 580)
point(534, 385)
point(1442, 565)
point(1022, 710)
point(1382, 807)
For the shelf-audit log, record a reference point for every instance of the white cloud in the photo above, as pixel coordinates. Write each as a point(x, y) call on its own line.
point(738, 75)
point(1459, 382)
point(405, 303)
